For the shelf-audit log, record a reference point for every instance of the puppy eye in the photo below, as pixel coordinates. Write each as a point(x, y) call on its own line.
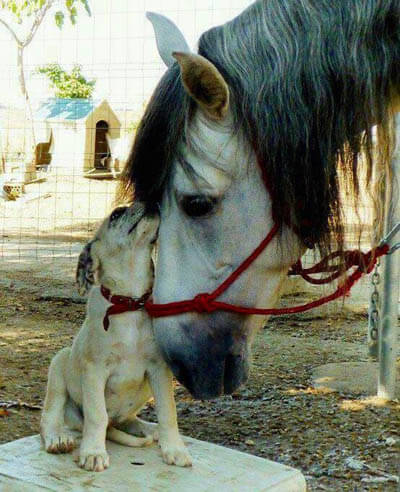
point(198, 205)
point(117, 213)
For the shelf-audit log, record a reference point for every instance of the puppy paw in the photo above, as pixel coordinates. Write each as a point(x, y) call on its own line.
point(176, 454)
point(94, 460)
point(59, 442)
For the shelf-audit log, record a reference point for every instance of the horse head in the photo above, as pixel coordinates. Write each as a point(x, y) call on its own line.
point(244, 134)
point(214, 212)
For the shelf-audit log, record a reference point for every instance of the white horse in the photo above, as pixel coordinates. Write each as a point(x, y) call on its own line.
point(241, 136)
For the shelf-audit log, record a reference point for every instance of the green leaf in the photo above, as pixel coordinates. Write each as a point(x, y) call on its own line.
point(68, 84)
point(85, 3)
point(73, 14)
point(59, 18)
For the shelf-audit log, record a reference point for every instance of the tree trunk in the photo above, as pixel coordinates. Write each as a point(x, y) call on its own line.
point(29, 149)
point(21, 74)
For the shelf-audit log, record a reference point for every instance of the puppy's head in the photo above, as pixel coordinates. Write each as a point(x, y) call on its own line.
point(124, 230)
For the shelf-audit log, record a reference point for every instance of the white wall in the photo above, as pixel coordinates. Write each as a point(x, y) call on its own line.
point(68, 150)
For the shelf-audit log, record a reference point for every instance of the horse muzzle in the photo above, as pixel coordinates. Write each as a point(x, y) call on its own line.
point(208, 359)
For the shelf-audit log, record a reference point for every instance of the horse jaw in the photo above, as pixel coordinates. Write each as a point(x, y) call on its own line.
point(209, 353)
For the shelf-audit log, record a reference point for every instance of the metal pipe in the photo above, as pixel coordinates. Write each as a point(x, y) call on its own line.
point(389, 330)
point(376, 288)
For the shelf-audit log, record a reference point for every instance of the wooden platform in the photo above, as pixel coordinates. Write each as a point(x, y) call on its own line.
point(25, 467)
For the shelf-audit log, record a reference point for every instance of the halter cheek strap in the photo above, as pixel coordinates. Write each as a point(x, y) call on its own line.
point(205, 302)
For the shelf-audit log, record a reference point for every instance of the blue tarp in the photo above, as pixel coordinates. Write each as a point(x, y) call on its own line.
point(66, 109)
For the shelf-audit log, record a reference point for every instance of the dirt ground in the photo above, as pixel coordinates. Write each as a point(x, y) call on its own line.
point(60, 204)
point(341, 442)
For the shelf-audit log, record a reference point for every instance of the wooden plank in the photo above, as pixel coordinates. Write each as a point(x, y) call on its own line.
point(25, 466)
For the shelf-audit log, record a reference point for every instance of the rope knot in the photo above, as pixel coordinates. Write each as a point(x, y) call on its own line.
point(202, 303)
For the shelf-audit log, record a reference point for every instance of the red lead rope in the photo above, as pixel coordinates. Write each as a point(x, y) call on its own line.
point(207, 303)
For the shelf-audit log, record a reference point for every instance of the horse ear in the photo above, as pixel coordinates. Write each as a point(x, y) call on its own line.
point(168, 37)
point(88, 264)
point(204, 84)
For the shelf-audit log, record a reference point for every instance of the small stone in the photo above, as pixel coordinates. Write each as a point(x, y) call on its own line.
point(354, 464)
point(249, 442)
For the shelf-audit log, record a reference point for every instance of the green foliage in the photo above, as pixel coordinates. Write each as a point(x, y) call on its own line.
point(68, 85)
point(132, 126)
point(134, 123)
point(27, 8)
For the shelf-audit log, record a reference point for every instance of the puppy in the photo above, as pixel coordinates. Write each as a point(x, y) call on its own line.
point(99, 384)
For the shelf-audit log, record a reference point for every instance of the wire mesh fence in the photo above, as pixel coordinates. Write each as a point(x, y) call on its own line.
point(61, 157)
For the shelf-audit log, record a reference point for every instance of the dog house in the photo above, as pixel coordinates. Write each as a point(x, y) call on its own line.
point(74, 133)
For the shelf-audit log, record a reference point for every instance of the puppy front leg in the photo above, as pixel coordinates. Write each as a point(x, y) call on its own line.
point(173, 449)
point(92, 454)
point(55, 435)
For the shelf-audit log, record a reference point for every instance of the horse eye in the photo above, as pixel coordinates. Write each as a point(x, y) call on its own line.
point(198, 205)
point(117, 213)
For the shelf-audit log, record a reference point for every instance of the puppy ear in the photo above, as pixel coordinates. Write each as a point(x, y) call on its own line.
point(88, 264)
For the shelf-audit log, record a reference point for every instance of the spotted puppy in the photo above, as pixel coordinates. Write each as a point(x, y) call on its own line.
point(100, 383)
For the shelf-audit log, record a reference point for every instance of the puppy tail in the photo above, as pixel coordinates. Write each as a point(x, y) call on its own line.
point(126, 439)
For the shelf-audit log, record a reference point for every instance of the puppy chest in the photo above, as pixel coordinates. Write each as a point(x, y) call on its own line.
point(128, 377)
point(125, 394)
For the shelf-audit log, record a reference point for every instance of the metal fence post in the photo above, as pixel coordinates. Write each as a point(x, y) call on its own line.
point(389, 331)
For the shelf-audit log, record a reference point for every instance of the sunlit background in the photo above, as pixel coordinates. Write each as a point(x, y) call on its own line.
point(115, 45)
point(62, 184)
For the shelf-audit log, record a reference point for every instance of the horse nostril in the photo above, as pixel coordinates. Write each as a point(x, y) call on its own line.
point(235, 373)
point(228, 367)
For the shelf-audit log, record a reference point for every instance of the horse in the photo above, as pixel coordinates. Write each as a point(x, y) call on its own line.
point(247, 136)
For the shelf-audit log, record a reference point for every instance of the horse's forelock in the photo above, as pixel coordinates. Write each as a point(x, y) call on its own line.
point(156, 142)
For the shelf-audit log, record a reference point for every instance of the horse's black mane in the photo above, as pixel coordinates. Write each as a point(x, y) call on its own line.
point(308, 80)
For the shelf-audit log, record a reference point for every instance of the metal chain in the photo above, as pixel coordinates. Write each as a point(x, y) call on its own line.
point(373, 320)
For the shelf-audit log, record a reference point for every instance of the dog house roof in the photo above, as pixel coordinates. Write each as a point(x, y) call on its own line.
point(66, 109)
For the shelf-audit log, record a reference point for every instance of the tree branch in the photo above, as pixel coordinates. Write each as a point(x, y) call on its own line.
point(40, 14)
point(14, 35)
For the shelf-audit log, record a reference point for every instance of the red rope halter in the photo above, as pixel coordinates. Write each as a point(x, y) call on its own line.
point(207, 303)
